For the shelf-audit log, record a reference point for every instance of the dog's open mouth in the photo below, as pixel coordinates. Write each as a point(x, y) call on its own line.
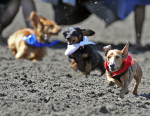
point(70, 43)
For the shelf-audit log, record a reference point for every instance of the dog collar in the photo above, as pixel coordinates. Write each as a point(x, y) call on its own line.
point(31, 40)
point(126, 64)
point(72, 48)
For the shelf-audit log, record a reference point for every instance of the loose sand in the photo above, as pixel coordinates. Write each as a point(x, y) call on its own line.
point(51, 88)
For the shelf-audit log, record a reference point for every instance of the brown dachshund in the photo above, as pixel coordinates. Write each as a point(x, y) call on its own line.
point(84, 58)
point(43, 30)
point(121, 68)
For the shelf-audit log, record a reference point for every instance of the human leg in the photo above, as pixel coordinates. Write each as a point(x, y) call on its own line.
point(28, 6)
point(102, 11)
point(139, 19)
point(9, 13)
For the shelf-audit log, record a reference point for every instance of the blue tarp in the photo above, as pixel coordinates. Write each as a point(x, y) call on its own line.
point(123, 8)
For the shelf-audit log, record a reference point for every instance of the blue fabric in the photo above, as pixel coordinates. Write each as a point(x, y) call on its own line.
point(123, 8)
point(56, 2)
point(31, 40)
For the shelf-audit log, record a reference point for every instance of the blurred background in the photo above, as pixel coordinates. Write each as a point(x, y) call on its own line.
point(120, 31)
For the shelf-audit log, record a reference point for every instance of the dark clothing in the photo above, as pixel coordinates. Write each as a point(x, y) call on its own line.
point(4, 1)
point(67, 15)
point(108, 10)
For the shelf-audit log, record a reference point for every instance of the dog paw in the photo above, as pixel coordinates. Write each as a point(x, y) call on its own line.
point(17, 56)
point(110, 83)
point(86, 73)
point(127, 91)
point(74, 65)
point(34, 60)
point(135, 93)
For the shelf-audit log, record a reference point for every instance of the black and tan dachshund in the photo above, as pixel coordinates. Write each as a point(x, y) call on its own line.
point(85, 58)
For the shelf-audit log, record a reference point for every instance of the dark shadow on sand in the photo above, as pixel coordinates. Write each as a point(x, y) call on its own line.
point(147, 96)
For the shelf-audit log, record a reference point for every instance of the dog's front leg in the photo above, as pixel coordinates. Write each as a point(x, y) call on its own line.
point(124, 87)
point(73, 64)
point(19, 55)
point(109, 79)
point(121, 95)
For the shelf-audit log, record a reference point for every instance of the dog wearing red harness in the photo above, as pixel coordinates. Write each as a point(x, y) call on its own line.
point(121, 68)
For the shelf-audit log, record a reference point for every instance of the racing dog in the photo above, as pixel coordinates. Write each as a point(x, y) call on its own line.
point(81, 55)
point(121, 68)
point(29, 43)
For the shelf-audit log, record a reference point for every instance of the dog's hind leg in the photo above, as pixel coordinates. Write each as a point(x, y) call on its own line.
point(101, 68)
point(101, 71)
point(88, 68)
point(100, 65)
point(137, 78)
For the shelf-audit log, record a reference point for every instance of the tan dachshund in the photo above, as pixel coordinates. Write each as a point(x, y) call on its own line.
point(121, 68)
point(43, 30)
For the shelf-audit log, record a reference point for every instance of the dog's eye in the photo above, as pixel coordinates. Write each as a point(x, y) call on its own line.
point(108, 57)
point(51, 26)
point(117, 57)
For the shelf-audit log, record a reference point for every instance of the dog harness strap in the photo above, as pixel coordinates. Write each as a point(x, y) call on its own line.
point(129, 73)
point(117, 77)
point(131, 68)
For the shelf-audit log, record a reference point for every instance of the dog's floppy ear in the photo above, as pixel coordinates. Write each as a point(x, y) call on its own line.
point(40, 25)
point(106, 49)
point(34, 19)
point(87, 32)
point(125, 51)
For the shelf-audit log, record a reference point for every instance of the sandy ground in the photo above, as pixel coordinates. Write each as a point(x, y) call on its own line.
point(51, 88)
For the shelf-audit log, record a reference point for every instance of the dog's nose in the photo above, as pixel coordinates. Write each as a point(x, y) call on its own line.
point(112, 66)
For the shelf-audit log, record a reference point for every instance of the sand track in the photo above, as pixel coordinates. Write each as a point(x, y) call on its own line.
point(51, 88)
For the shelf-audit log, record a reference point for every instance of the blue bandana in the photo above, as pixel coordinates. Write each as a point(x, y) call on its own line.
point(31, 40)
